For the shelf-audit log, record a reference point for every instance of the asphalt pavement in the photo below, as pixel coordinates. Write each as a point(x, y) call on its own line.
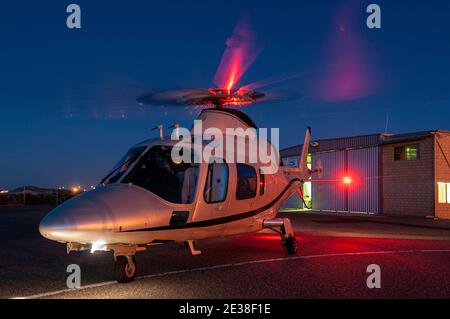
point(334, 253)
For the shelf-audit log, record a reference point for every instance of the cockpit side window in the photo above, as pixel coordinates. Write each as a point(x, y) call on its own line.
point(122, 166)
point(216, 183)
point(156, 172)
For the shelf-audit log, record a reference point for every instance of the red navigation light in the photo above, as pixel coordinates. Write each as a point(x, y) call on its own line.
point(347, 180)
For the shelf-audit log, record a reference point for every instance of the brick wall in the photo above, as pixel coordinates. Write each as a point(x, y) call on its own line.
point(409, 186)
point(442, 170)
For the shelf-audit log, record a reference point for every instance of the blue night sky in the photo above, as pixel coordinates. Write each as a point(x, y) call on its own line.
point(67, 97)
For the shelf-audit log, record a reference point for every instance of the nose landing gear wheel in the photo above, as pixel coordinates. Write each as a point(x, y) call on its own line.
point(290, 245)
point(125, 268)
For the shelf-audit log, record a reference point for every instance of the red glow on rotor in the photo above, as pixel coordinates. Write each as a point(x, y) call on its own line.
point(236, 101)
point(241, 51)
point(232, 75)
point(222, 97)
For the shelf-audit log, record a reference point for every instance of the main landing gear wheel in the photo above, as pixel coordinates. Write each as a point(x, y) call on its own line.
point(290, 245)
point(286, 232)
point(125, 268)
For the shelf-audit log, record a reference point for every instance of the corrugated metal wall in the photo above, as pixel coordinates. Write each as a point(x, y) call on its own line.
point(363, 194)
point(329, 195)
point(360, 196)
point(352, 142)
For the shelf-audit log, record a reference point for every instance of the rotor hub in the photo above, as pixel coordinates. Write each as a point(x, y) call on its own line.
point(213, 97)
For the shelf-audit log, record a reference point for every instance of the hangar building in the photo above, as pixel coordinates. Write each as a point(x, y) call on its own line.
point(392, 174)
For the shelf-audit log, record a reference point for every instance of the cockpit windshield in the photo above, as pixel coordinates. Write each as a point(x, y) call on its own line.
point(122, 166)
point(158, 173)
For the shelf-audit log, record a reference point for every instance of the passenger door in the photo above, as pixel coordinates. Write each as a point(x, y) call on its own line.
point(246, 187)
point(216, 188)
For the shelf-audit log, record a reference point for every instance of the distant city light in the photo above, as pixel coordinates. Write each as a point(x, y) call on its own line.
point(76, 189)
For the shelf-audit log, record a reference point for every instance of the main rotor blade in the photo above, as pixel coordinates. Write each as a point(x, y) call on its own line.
point(175, 97)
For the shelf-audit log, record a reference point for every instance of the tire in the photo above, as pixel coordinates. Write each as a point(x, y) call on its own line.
point(125, 273)
point(290, 245)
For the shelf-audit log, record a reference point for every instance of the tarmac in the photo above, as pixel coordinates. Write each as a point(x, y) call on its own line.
point(335, 251)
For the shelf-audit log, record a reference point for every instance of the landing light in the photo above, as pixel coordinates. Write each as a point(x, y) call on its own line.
point(98, 245)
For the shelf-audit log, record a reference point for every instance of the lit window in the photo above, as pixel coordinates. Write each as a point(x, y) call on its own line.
point(448, 193)
point(406, 153)
point(411, 152)
point(442, 194)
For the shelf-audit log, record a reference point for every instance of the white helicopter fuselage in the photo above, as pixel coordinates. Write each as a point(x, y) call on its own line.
point(128, 214)
point(127, 211)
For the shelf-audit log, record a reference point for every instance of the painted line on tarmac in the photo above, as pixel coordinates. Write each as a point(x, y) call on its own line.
point(237, 264)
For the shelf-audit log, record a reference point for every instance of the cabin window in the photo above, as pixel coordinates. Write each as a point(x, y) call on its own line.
point(157, 173)
point(262, 183)
point(216, 182)
point(246, 183)
point(406, 152)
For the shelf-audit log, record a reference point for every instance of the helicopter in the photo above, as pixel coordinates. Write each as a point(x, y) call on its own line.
point(149, 198)
point(152, 197)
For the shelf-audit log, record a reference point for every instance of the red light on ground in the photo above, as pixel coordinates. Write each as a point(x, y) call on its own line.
point(347, 180)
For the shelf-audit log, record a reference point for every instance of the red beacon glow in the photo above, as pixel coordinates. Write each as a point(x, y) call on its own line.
point(347, 180)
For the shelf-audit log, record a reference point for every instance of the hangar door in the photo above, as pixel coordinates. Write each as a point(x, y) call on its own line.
point(294, 202)
point(362, 195)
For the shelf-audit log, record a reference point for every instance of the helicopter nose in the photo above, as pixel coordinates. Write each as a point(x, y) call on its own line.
point(65, 224)
point(54, 227)
point(72, 220)
point(100, 214)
